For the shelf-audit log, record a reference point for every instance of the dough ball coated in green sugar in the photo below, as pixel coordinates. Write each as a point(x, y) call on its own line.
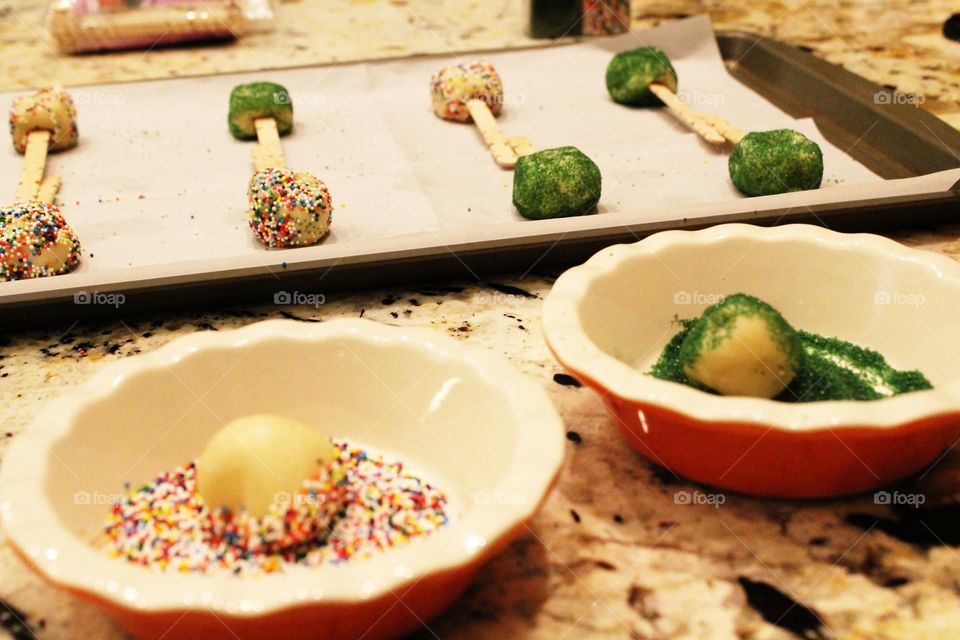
point(742, 347)
point(555, 183)
point(259, 100)
point(778, 161)
point(630, 74)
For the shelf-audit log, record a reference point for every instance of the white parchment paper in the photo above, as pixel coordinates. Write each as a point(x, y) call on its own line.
point(157, 185)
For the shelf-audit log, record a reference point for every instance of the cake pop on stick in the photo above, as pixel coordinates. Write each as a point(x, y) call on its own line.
point(35, 242)
point(474, 91)
point(261, 111)
point(764, 163)
point(35, 239)
point(556, 183)
point(40, 123)
point(286, 208)
point(779, 161)
point(644, 77)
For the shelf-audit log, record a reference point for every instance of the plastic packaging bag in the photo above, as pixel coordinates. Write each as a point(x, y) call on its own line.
point(94, 25)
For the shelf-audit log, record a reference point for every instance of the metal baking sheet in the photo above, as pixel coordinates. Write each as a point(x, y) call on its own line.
point(900, 141)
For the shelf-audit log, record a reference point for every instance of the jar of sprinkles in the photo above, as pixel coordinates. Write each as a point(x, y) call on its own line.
point(558, 18)
point(603, 17)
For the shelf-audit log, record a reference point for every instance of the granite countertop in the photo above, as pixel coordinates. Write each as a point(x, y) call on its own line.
point(612, 554)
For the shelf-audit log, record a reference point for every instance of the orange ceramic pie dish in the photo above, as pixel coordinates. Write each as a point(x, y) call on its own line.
point(476, 427)
point(608, 320)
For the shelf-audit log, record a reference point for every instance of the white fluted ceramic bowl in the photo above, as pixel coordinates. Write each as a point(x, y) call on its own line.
point(608, 320)
point(477, 428)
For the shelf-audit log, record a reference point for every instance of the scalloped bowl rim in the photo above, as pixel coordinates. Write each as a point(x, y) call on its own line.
point(574, 349)
point(66, 560)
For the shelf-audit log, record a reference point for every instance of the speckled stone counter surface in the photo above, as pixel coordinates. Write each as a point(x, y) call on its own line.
point(620, 550)
point(616, 552)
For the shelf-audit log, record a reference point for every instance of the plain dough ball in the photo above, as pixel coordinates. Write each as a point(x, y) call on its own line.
point(742, 347)
point(254, 458)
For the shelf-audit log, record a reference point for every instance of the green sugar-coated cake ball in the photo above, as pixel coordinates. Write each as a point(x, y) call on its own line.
point(778, 161)
point(555, 183)
point(259, 100)
point(630, 74)
point(742, 347)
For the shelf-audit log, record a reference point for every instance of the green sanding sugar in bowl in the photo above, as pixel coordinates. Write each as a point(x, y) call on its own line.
point(840, 370)
point(832, 369)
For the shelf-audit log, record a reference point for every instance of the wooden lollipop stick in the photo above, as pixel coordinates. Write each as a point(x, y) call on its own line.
point(262, 159)
point(521, 145)
point(34, 164)
point(723, 127)
point(490, 130)
point(48, 190)
point(685, 114)
point(268, 154)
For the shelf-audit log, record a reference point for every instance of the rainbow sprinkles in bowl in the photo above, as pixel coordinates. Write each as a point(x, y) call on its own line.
point(270, 494)
point(330, 503)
